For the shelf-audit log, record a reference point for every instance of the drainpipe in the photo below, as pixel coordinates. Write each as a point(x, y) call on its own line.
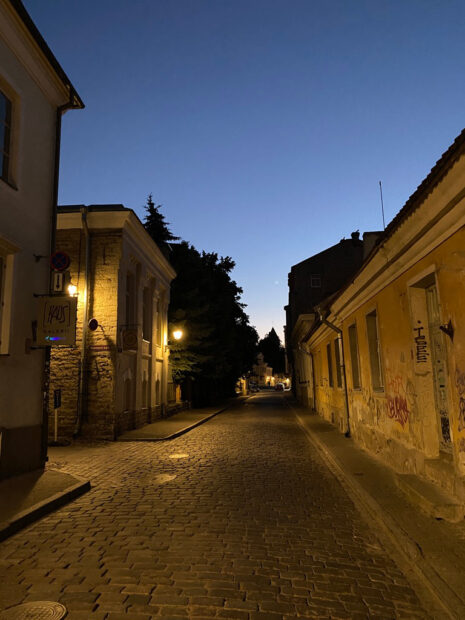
point(82, 369)
point(53, 222)
point(343, 367)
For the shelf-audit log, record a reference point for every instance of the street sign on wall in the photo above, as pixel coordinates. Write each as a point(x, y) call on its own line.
point(56, 321)
point(60, 261)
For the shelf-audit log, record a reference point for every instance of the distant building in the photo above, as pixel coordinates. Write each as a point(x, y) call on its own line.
point(34, 93)
point(116, 377)
point(310, 282)
point(262, 373)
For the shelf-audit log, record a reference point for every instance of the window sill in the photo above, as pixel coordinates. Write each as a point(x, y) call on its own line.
point(9, 183)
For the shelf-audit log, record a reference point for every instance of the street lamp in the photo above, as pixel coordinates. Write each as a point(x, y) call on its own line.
point(72, 290)
point(177, 334)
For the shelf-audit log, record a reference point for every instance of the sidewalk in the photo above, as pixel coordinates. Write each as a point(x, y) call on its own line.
point(431, 550)
point(26, 498)
point(176, 425)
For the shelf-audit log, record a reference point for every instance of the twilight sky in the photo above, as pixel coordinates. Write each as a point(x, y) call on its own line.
point(261, 126)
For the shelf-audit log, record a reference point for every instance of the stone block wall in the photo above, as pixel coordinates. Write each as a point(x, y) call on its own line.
point(98, 412)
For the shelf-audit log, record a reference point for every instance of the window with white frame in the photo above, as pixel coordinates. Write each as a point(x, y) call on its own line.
point(354, 358)
point(337, 357)
point(376, 368)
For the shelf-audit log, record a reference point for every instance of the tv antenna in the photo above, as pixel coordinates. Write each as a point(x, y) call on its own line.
point(382, 204)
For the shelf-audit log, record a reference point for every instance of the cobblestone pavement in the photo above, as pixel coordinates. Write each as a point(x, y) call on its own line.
point(239, 518)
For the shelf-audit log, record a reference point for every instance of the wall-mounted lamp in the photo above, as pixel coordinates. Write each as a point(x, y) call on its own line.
point(448, 329)
point(72, 290)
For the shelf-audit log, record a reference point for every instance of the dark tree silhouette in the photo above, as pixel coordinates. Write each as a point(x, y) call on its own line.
point(219, 344)
point(273, 351)
point(156, 226)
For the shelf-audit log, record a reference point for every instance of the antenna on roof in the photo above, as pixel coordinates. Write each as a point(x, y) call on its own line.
point(382, 204)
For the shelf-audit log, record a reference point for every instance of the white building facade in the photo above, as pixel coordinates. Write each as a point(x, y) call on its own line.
point(34, 93)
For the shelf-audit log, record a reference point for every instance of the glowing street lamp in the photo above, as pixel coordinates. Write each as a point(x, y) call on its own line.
point(72, 290)
point(177, 334)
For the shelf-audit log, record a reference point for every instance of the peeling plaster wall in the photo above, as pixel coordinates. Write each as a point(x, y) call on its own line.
point(400, 422)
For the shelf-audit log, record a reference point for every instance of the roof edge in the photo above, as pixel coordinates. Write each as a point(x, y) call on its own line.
point(74, 98)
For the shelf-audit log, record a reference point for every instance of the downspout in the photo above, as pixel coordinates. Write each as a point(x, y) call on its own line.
point(53, 221)
point(82, 369)
point(343, 367)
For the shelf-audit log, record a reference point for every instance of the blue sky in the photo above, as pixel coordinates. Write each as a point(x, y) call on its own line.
point(261, 126)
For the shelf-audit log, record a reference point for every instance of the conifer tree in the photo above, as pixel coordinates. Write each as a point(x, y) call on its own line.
point(156, 226)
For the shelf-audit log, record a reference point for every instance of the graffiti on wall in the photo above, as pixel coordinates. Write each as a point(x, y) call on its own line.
point(397, 403)
point(460, 384)
point(421, 344)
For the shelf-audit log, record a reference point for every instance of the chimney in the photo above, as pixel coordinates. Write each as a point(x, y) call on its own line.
point(355, 236)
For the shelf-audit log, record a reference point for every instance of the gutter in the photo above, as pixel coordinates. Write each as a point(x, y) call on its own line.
point(343, 366)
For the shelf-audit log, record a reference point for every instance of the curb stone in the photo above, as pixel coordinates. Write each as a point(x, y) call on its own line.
point(28, 516)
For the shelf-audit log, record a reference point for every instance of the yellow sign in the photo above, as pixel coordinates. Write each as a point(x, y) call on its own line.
point(56, 322)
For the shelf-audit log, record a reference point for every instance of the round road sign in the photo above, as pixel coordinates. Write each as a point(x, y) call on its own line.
point(60, 261)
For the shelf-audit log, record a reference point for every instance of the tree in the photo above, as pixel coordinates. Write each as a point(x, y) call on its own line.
point(219, 344)
point(273, 351)
point(156, 226)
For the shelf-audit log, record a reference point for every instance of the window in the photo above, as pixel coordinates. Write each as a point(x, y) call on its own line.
point(374, 350)
point(6, 294)
point(5, 136)
point(315, 280)
point(330, 365)
point(147, 315)
point(337, 357)
point(130, 300)
point(354, 357)
point(159, 323)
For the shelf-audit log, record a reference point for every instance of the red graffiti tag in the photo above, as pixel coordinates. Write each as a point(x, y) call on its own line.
point(398, 409)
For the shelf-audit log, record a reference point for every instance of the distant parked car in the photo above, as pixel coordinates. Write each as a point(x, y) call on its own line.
point(279, 387)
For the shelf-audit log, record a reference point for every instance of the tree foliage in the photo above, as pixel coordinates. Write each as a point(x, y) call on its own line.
point(273, 351)
point(218, 344)
point(156, 226)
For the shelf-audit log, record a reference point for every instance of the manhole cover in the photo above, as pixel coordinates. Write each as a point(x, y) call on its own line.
point(178, 456)
point(35, 610)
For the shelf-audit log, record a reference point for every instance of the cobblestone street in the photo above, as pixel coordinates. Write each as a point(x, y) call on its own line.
point(239, 518)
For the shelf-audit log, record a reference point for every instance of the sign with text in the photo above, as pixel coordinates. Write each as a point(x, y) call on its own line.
point(56, 323)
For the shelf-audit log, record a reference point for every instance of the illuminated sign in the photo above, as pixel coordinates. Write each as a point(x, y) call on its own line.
point(56, 322)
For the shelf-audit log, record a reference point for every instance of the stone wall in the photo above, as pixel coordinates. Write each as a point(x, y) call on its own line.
point(98, 414)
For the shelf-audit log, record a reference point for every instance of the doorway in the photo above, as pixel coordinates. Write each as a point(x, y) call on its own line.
point(439, 367)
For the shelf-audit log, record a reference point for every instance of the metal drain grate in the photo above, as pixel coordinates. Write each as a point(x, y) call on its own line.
point(35, 610)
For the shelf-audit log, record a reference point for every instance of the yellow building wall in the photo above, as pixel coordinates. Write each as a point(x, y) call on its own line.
point(400, 421)
point(98, 408)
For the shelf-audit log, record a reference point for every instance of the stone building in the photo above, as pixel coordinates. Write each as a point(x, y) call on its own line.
point(34, 93)
point(116, 377)
point(311, 281)
point(386, 355)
